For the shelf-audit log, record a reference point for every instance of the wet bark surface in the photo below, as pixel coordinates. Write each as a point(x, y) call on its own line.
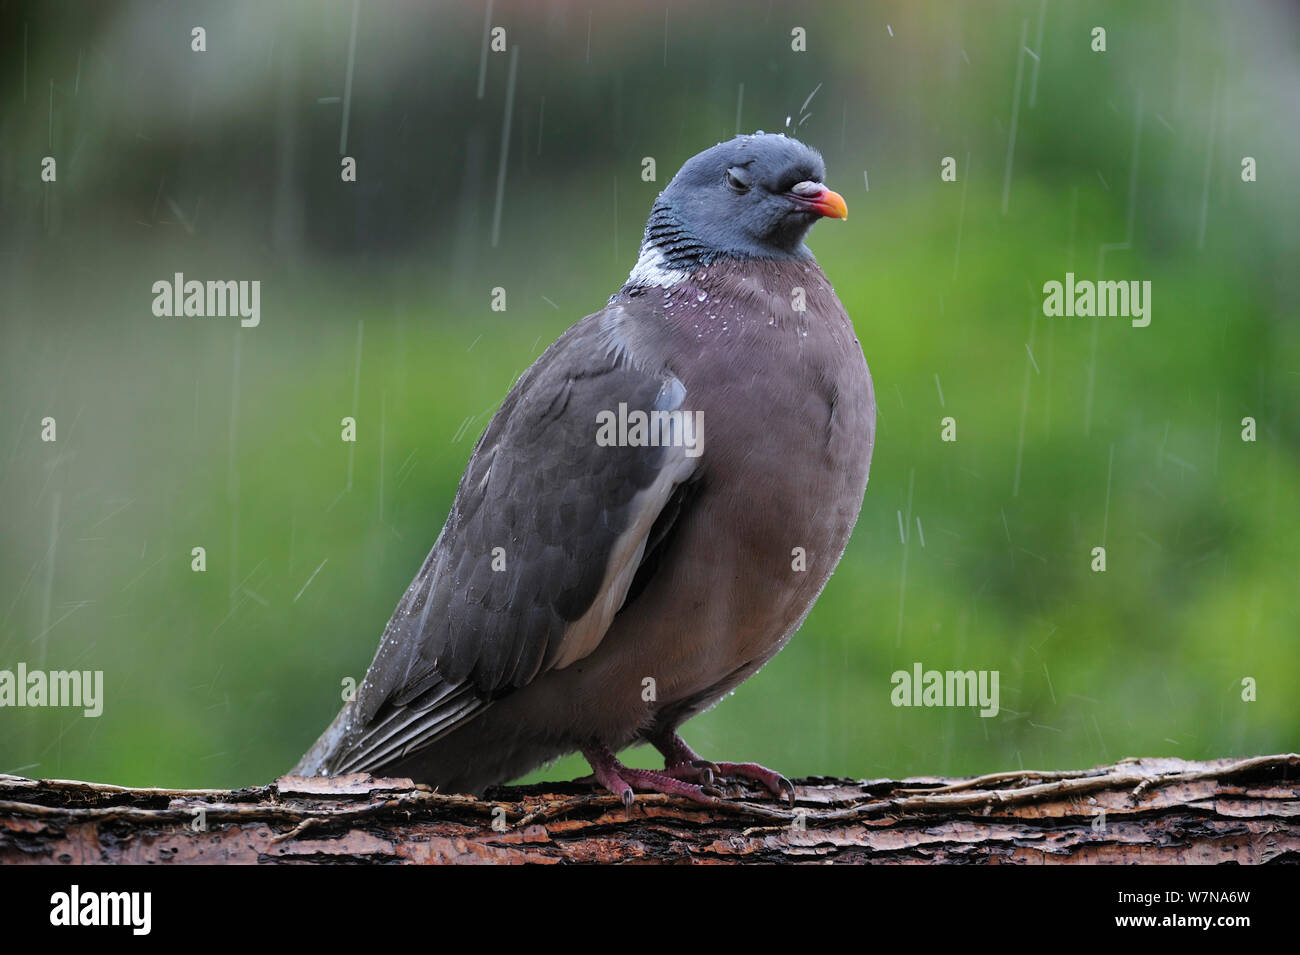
point(1136, 811)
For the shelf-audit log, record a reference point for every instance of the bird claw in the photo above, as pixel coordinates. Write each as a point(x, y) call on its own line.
point(686, 775)
point(769, 779)
point(622, 780)
point(706, 770)
point(681, 759)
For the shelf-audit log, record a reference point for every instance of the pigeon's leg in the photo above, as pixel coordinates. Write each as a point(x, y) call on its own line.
point(680, 759)
point(621, 780)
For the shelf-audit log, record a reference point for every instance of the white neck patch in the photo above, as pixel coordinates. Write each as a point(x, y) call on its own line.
point(651, 272)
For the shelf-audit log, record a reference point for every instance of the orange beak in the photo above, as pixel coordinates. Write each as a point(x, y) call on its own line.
point(830, 204)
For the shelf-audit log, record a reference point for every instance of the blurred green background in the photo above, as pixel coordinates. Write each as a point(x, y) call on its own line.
point(375, 303)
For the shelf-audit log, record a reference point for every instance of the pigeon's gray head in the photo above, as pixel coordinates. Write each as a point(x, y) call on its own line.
point(751, 197)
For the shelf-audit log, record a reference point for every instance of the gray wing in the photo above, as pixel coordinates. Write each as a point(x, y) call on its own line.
point(544, 539)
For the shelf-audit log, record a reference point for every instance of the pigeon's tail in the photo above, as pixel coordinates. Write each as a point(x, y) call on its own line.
point(485, 749)
point(397, 739)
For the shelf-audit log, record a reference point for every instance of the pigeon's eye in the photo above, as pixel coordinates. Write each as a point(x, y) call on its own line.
point(735, 183)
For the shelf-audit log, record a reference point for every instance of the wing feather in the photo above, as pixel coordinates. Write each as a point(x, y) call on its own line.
point(544, 539)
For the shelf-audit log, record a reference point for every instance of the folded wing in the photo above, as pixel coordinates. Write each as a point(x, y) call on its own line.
point(545, 537)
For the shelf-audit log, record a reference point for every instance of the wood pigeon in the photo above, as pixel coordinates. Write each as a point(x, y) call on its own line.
point(650, 514)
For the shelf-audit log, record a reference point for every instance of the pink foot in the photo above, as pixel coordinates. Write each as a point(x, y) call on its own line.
point(681, 760)
point(622, 780)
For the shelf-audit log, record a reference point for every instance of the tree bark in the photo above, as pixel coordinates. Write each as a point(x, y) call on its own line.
point(1138, 810)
